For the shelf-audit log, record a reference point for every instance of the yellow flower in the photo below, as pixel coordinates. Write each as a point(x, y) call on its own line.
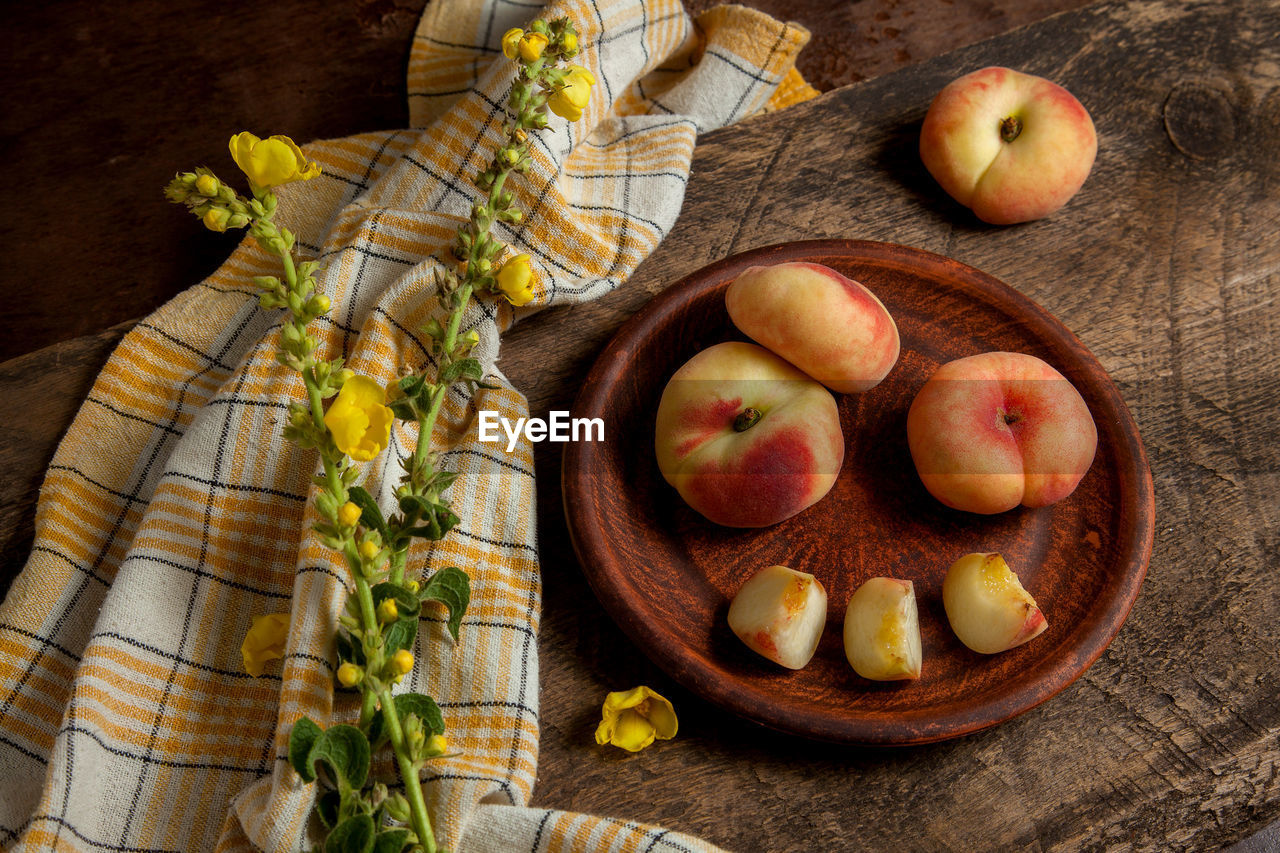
point(515, 280)
point(349, 674)
point(264, 641)
point(271, 162)
point(531, 46)
point(632, 719)
point(511, 42)
point(388, 611)
point(569, 43)
point(571, 98)
point(402, 662)
point(436, 745)
point(359, 422)
point(215, 219)
point(348, 514)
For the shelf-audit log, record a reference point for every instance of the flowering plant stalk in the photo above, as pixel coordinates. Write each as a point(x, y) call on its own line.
point(380, 620)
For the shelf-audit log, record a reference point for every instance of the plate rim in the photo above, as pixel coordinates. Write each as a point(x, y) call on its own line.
point(1136, 492)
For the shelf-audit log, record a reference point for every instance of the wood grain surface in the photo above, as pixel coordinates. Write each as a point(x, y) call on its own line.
point(1167, 266)
point(102, 107)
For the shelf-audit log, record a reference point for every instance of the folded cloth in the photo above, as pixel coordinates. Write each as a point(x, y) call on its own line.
point(173, 513)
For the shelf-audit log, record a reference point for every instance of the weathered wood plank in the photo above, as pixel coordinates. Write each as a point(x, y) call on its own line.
point(118, 93)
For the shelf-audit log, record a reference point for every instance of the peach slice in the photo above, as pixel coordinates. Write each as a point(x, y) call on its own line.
point(987, 606)
point(882, 630)
point(780, 613)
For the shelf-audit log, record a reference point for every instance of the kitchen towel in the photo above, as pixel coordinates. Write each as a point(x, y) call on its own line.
point(174, 513)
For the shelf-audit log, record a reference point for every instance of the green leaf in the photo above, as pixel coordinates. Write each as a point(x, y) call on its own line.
point(440, 521)
point(411, 703)
point(345, 750)
point(301, 738)
point(411, 385)
point(463, 368)
point(349, 649)
point(391, 841)
point(400, 634)
point(404, 409)
point(442, 480)
point(452, 588)
point(353, 835)
point(406, 602)
point(370, 514)
point(327, 807)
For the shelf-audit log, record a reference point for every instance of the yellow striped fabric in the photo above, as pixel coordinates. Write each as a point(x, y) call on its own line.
point(173, 512)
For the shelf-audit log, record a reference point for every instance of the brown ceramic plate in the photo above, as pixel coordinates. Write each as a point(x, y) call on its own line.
point(666, 575)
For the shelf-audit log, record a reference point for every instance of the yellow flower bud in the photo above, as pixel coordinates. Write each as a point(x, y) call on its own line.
point(358, 420)
point(215, 219)
point(207, 185)
point(348, 514)
point(436, 745)
point(569, 43)
point(532, 45)
point(322, 303)
point(349, 674)
point(369, 550)
point(515, 280)
point(511, 41)
point(388, 611)
point(402, 662)
point(511, 156)
point(271, 162)
point(571, 98)
point(412, 586)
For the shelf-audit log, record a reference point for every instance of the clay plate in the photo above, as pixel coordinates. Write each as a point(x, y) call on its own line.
point(666, 575)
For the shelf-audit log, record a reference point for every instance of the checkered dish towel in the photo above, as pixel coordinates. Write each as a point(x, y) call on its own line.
point(174, 513)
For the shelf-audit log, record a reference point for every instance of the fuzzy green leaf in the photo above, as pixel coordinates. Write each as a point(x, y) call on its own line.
point(438, 520)
point(391, 841)
point(345, 751)
point(301, 738)
point(411, 703)
point(463, 368)
point(327, 806)
point(406, 602)
point(400, 634)
point(404, 409)
point(370, 514)
point(353, 835)
point(349, 650)
point(452, 588)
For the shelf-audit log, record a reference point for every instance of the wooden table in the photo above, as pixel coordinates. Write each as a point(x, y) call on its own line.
point(1167, 266)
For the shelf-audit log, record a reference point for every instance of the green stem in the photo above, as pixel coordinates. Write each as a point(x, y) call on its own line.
point(396, 571)
point(427, 424)
point(418, 817)
point(373, 655)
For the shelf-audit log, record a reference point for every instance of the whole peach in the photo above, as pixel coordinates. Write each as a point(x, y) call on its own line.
point(746, 438)
point(829, 326)
point(992, 431)
point(1011, 146)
